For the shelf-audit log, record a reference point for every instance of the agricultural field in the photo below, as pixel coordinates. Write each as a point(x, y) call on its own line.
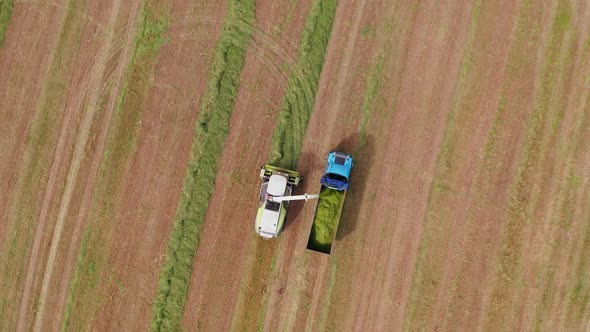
point(132, 132)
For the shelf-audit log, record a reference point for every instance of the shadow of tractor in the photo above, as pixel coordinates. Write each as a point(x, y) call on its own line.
point(363, 161)
point(308, 162)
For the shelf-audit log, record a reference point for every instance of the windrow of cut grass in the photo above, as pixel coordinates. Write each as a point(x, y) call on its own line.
point(41, 142)
point(287, 140)
point(6, 8)
point(211, 131)
point(302, 87)
point(91, 270)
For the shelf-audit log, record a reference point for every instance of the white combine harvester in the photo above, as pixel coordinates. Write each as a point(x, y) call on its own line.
point(275, 195)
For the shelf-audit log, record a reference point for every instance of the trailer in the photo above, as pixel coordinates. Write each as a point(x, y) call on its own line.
point(334, 185)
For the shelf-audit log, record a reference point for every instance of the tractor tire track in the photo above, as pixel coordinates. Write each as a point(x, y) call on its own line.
point(94, 74)
point(89, 76)
point(113, 58)
point(31, 271)
point(25, 60)
point(148, 208)
point(113, 75)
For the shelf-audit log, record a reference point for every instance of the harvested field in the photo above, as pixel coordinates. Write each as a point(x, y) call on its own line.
point(132, 133)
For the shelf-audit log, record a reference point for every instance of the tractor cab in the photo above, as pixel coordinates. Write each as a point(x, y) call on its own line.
point(337, 170)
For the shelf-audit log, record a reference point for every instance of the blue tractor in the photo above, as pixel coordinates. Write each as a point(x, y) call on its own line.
point(337, 171)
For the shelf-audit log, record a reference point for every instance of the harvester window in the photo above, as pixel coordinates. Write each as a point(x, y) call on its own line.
point(273, 206)
point(339, 160)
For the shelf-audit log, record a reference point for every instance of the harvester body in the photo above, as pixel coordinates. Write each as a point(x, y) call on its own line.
point(275, 195)
point(334, 185)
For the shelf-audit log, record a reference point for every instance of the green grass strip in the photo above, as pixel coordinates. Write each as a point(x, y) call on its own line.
point(326, 219)
point(211, 131)
point(6, 8)
point(303, 83)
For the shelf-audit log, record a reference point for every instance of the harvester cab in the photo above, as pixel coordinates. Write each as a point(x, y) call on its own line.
point(275, 195)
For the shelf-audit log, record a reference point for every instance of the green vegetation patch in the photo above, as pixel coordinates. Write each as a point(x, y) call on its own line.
point(6, 8)
point(303, 83)
point(326, 220)
point(211, 131)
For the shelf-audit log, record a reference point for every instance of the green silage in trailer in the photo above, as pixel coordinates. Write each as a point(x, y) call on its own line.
point(326, 220)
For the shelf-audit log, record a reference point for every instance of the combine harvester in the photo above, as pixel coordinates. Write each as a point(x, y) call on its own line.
point(331, 200)
point(275, 195)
